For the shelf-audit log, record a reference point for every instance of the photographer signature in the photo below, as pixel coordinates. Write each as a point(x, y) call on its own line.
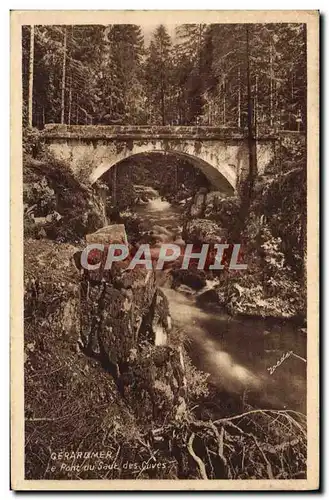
point(284, 356)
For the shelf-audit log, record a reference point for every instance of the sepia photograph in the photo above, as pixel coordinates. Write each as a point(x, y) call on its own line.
point(165, 218)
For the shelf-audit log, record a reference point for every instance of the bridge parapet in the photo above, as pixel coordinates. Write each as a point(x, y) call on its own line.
point(125, 132)
point(220, 153)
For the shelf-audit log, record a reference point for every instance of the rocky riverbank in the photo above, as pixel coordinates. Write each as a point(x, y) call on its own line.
point(271, 286)
point(105, 367)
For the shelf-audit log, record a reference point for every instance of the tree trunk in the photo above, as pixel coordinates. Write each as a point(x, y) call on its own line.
point(256, 108)
point(70, 102)
point(77, 112)
point(114, 184)
point(224, 103)
point(70, 80)
point(162, 103)
point(291, 120)
point(239, 98)
point(199, 49)
point(63, 77)
point(251, 139)
point(31, 64)
point(271, 86)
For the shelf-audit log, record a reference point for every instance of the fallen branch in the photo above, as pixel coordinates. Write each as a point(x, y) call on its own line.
point(268, 465)
point(201, 465)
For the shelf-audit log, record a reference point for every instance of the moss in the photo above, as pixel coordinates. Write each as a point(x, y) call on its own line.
point(197, 147)
point(130, 144)
point(51, 187)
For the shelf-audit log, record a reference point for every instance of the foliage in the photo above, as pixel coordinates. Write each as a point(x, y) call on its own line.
point(120, 95)
point(199, 77)
point(278, 76)
point(73, 404)
point(269, 286)
point(225, 211)
point(196, 382)
point(158, 76)
point(68, 208)
point(190, 63)
point(39, 196)
point(32, 142)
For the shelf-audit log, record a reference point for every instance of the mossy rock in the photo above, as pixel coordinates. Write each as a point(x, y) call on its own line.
point(52, 285)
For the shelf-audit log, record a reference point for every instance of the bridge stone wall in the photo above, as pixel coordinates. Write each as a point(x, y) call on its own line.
point(221, 153)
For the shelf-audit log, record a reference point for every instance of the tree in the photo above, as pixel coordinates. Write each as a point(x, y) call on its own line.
point(277, 76)
point(31, 69)
point(251, 124)
point(65, 60)
point(120, 91)
point(158, 77)
point(63, 76)
point(77, 75)
point(191, 68)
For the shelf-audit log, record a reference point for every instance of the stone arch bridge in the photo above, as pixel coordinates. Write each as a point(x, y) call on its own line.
point(220, 153)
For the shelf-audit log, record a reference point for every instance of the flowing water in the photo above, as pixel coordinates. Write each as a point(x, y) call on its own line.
point(244, 356)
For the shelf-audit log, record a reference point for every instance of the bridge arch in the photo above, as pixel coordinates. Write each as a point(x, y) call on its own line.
point(220, 152)
point(221, 177)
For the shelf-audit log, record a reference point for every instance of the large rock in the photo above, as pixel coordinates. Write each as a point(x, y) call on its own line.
point(215, 295)
point(198, 205)
point(192, 278)
point(115, 233)
point(157, 375)
point(113, 305)
point(121, 320)
point(51, 188)
point(157, 323)
point(212, 202)
point(52, 288)
point(201, 231)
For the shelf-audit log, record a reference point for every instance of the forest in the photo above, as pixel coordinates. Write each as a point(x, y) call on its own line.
point(201, 75)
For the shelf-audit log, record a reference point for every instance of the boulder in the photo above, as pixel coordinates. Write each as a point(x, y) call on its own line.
point(157, 322)
point(113, 309)
point(194, 279)
point(198, 205)
point(212, 201)
point(52, 288)
point(215, 295)
point(66, 207)
point(186, 290)
point(201, 231)
point(115, 233)
point(156, 374)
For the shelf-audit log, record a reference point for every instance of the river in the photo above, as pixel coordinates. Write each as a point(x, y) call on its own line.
point(244, 356)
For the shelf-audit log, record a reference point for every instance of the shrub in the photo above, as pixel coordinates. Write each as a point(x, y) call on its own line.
point(196, 381)
point(33, 143)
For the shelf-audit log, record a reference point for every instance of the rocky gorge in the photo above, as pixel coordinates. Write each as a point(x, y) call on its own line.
point(110, 357)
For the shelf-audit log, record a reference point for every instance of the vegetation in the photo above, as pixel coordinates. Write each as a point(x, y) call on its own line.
point(84, 74)
point(87, 385)
point(56, 204)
